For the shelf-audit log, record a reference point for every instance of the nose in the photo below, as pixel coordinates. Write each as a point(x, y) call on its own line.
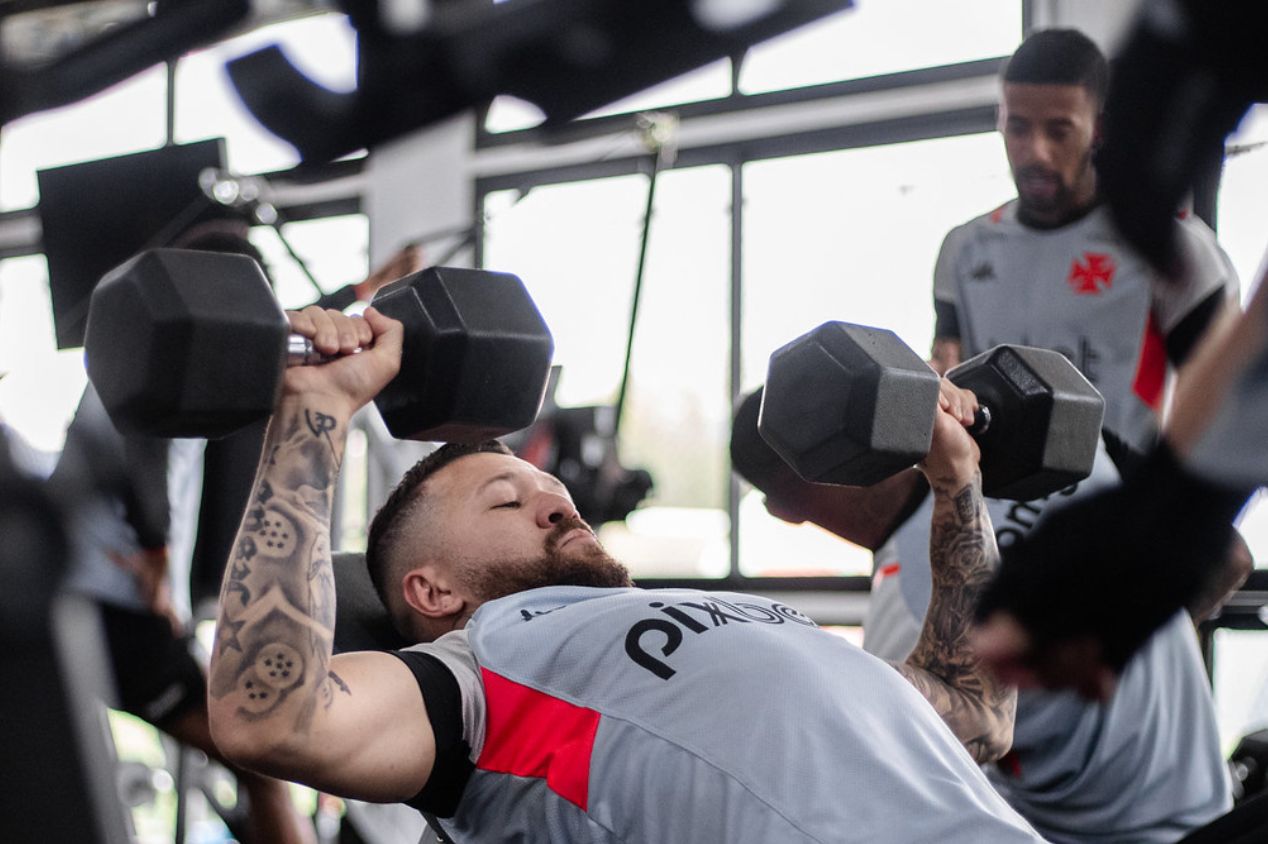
point(553, 508)
point(1035, 149)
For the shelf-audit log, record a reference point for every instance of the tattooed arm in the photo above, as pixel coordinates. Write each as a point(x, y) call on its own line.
point(962, 554)
point(280, 703)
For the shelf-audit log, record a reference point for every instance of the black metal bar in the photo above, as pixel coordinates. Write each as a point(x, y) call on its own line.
point(736, 352)
point(182, 778)
point(638, 293)
point(741, 583)
point(169, 131)
point(966, 121)
point(276, 225)
point(599, 126)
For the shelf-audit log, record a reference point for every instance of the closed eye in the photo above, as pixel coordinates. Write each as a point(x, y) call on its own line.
point(509, 505)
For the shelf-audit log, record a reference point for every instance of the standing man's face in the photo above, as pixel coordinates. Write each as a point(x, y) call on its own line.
point(1049, 133)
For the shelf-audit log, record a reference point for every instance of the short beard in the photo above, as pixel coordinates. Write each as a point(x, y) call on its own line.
point(1060, 208)
point(591, 567)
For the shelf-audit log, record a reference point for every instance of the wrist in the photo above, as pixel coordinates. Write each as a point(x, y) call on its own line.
point(950, 478)
point(337, 405)
point(322, 415)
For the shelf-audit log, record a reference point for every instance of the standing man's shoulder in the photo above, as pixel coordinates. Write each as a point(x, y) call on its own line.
point(998, 222)
point(1186, 306)
point(1001, 220)
point(955, 261)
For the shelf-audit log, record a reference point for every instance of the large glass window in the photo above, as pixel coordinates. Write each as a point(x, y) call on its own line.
point(576, 248)
point(1240, 684)
point(335, 249)
point(1243, 203)
point(126, 118)
point(39, 386)
point(207, 106)
point(853, 235)
point(877, 38)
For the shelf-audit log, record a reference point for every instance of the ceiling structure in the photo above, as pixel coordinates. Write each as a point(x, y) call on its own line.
point(34, 32)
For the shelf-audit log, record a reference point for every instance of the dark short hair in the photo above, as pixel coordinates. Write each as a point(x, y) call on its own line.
point(229, 236)
point(389, 521)
point(751, 457)
point(1060, 57)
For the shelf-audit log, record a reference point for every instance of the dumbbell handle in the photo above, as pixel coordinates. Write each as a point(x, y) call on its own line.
point(981, 421)
point(300, 352)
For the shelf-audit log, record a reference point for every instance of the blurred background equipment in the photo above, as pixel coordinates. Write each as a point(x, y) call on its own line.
point(58, 753)
point(97, 214)
point(579, 446)
point(421, 62)
point(1248, 765)
point(158, 31)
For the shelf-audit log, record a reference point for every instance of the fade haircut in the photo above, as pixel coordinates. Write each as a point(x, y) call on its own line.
point(1060, 57)
point(389, 523)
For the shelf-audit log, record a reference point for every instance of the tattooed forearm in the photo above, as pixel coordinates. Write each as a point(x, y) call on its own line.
point(942, 666)
point(275, 630)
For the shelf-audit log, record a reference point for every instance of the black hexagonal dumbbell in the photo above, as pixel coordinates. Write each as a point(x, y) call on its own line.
point(851, 404)
point(183, 343)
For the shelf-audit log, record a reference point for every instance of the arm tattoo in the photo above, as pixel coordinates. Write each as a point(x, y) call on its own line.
point(275, 631)
point(942, 667)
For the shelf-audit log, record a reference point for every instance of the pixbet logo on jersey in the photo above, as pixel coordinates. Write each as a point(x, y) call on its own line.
point(711, 612)
point(1092, 274)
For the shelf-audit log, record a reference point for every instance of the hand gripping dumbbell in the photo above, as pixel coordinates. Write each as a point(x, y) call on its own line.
point(849, 404)
point(182, 343)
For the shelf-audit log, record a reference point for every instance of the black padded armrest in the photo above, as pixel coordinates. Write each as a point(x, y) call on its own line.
point(361, 620)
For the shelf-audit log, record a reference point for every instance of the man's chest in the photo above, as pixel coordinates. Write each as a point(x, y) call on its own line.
point(1087, 297)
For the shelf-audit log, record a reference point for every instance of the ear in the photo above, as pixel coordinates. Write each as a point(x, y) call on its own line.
point(428, 593)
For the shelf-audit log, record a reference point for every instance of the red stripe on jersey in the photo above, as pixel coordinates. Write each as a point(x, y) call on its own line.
point(884, 572)
point(1151, 371)
point(998, 214)
point(531, 734)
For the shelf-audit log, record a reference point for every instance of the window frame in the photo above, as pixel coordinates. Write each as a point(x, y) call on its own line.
point(734, 153)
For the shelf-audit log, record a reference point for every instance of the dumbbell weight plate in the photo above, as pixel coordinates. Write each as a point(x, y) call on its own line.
point(1045, 420)
point(181, 346)
point(848, 404)
point(476, 358)
point(851, 404)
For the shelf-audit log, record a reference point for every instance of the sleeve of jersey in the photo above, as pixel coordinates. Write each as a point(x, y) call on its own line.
point(448, 688)
point(147, 504)
point(945, 286)
point(1211, 270)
